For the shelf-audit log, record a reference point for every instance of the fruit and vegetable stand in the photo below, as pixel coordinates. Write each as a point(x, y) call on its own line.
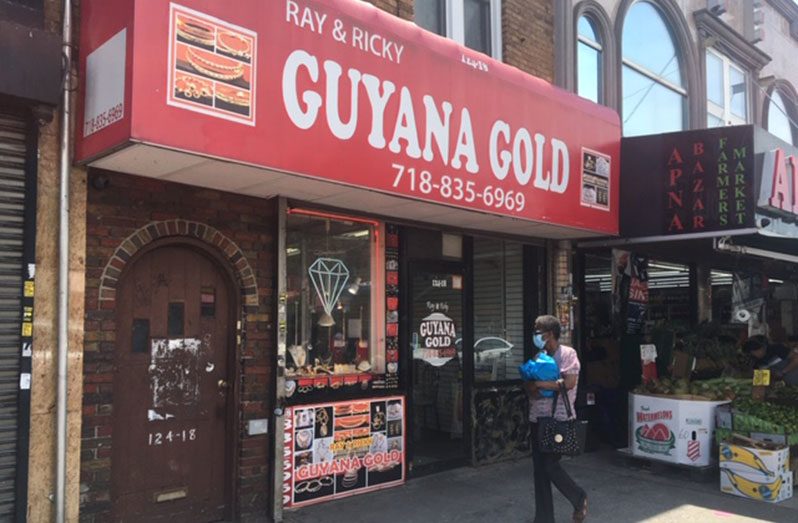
point(760, 420)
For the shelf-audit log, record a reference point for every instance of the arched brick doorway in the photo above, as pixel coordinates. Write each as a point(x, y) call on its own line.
point(174, 379)
point(198, 278)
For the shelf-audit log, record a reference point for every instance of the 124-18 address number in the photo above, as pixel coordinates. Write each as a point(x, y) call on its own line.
point(454, 188)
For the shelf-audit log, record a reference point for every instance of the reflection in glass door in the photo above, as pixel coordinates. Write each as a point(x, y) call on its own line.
point(436, 330)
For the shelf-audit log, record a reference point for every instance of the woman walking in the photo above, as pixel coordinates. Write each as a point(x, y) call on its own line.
point(547, 465)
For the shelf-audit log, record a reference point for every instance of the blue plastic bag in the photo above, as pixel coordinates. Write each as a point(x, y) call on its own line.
point(542, 368)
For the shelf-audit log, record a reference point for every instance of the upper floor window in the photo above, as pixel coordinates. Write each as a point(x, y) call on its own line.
point(588, 60)
point(431, 15)
point(654, 93)
point(779, 120)
point(473, 23)
point(727, 91)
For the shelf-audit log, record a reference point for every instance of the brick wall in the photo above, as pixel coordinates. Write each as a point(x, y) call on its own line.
point(132, 205)
point(401, 8)
point(561, 258)
point(528, 36)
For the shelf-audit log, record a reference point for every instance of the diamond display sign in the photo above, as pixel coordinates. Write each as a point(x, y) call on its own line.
point(329, 277)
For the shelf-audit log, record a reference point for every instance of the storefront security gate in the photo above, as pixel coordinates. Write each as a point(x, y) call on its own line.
point(13, 157)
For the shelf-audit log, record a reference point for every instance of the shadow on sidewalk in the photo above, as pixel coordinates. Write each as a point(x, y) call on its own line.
point(503, 492)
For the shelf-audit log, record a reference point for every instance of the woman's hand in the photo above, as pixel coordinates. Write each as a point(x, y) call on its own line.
point(532, 389)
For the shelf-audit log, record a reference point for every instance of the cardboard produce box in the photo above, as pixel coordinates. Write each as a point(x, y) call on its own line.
point(681, 365)
point(672, 429)
point(723, 417)
point(756, 471)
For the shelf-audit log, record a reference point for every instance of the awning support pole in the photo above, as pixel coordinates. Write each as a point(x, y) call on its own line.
point(725, 245)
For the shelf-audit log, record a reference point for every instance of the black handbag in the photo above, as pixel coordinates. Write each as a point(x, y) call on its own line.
point(562, 437)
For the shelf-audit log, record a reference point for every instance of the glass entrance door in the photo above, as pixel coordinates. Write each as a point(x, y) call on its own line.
point(436, 331)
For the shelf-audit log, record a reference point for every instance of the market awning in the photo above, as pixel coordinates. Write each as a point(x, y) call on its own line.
point(341, 104)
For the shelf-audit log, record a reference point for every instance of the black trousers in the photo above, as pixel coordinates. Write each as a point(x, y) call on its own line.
point(547, 471)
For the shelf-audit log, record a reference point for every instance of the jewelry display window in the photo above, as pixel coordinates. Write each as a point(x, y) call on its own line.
point(334, 296)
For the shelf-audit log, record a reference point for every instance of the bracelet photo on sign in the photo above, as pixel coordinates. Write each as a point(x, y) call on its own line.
point(313, 485)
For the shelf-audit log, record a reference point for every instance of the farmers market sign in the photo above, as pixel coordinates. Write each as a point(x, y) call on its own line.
point(695, 182)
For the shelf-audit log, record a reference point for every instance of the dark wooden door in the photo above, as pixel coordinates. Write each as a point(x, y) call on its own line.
point(172, 389)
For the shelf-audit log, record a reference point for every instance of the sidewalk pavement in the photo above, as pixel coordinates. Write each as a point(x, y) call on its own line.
point(503, 493)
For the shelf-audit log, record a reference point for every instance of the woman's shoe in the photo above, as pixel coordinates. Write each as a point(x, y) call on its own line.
point(581, 514)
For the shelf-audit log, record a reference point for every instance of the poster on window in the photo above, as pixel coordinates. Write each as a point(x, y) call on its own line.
point(436, 339)
point(638, 294)
point(437, 312)
point(748, 302)
point(621, 277)
point(334, 450)
point(629, 291)
point(595, 180)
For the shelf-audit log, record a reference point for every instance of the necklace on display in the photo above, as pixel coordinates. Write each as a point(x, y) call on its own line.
point(299, 355)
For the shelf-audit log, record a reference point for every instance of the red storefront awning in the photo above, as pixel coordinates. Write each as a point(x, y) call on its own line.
point(335, 100)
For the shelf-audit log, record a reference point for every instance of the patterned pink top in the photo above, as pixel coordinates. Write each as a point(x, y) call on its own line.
point(568, 363)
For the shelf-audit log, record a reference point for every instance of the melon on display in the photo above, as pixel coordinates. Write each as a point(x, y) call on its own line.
point(658, 432)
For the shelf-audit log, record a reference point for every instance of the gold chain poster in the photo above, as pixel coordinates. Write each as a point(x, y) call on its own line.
point(334, 450)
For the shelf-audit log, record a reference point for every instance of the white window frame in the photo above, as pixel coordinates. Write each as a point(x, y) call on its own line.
point(725, 113)
point(455, 24)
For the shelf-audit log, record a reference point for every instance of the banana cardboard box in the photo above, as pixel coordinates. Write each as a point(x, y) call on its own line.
point(755, 473)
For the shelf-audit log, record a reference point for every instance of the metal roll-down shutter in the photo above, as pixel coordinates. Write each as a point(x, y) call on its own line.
point(13, 155)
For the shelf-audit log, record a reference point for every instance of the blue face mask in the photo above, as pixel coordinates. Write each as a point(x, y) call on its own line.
point(539, 341)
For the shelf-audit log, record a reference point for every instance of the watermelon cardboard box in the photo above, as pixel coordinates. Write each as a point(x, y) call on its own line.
point(672, 429)
point(756, 470)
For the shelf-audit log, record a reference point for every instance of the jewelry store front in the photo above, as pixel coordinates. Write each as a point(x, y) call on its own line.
point(434, 315)
point(375, 204)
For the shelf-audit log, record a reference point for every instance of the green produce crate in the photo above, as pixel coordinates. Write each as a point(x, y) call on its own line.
point(724, 434)
point(748, 423)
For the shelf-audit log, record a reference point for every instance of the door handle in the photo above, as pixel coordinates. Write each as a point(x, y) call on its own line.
point(222, 384)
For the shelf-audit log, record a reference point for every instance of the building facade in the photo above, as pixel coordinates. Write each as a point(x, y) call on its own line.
point(723, 63)
point(314, 247)
point(30, 94)
point(709, 79)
